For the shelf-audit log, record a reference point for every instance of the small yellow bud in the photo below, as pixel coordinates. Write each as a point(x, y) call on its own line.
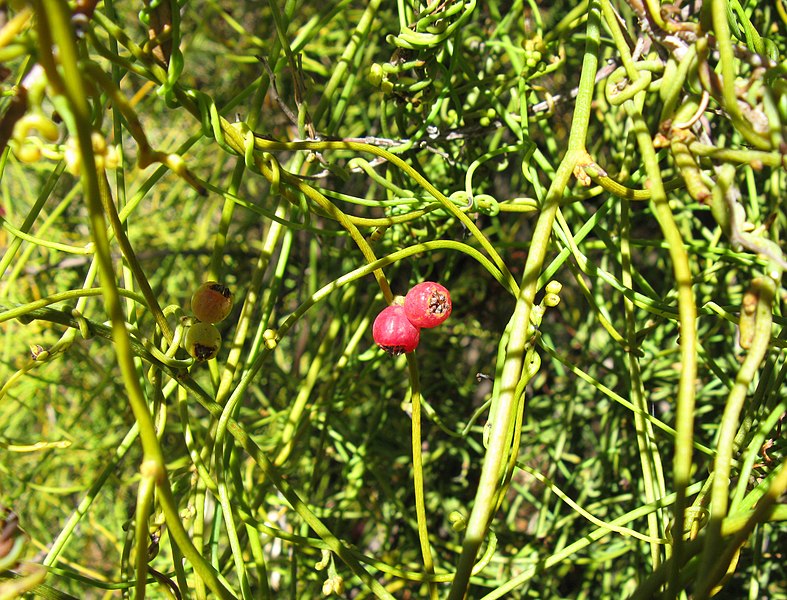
point(554, 287)
point(375, 76)
point(551, 300)
point(457, 520)
point(269, 335)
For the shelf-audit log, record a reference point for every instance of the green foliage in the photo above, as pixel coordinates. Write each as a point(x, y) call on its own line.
point(599, 185)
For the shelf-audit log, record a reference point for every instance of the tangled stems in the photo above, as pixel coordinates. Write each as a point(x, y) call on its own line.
point(288, 492)
point(70, 97)
point(764, 290)
point(301, 207)
point(721, 28)
point(345, 279)
point(219, 413)
point(500, 440)
point(688, 328)
point(233, 139)
point(653, 479)
point(223, 414)
point(580, 544)
point(265, 144)
point(128, 252)
point(737, 528)
point(226, 421)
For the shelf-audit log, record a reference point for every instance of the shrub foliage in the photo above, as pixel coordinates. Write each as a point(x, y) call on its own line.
point(600, 185)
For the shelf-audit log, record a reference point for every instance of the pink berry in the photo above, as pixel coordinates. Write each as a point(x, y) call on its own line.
point(427, 304)
point(393, 332)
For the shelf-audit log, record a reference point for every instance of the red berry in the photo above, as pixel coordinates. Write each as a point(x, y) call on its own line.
point(393, 332)
point(427, 304)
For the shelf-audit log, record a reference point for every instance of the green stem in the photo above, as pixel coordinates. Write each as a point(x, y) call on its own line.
point(418, 472)
point(90, 496)
point(70, 97)
point(765, 289)
point(652, 474)
point(563, 554)
point(127, 249)
point(505, 387)
point(145, 497)
point(724, 46)
point(687, 310)
point(361, 33)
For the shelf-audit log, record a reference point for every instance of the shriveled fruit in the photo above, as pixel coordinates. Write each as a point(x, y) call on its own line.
point(211, 302)
point(393, 332)
point(427, 304)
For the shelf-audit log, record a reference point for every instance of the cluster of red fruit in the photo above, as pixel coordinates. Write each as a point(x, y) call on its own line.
point(397, 328)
